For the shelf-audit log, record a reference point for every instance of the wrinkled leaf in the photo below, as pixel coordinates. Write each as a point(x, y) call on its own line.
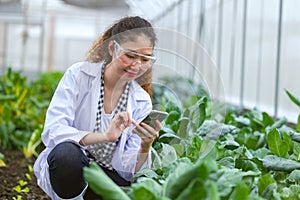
point(275, 163)
point(294, 176)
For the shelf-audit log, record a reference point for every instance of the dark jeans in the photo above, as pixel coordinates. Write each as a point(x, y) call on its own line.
point(65, 162)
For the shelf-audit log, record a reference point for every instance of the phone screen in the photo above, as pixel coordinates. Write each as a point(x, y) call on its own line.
point(153, 116)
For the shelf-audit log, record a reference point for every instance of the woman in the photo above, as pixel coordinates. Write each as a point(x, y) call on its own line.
point(96, 111)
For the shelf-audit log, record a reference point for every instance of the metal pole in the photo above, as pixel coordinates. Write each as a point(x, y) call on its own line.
point(42, 37)
point(4, 53)
point(200, 34)
point(219, 50)
point(243, 53)
point(259, 62)
point(232, 49)
point(278, 58)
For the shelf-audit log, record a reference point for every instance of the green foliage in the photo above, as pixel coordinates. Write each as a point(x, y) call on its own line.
point(102, 184)
point(23, 107)
point(23, 184)
point(33, 143)
point(212, 151)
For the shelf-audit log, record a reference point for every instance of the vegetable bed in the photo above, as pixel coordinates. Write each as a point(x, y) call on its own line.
point(209, 150)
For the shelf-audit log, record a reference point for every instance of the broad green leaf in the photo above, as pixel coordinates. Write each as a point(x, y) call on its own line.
point(241, 192)
point(286, 137)
point(278, 124)
point(267, 120)
point(276, 144)
point(295, 189)
point(271, 192)
point(182, 163)
point(246, 165)
point(230, 144)
point(228, 162)
point(295, 136)
point(172, 117)
point(264, 181)
point(293, 98)
point(156, 160)
point(180, 148)
point(296, 151)
point(167, 154)
point(147, 189)
point(194, 191)
point(146, 172)
point(102, 185)
point(261, 153)
point(291, 192)
point(275, 163)
point(242, 121)
point(169, 138)
point(251, 139)
point(193, 150)
point(294, 176)
point(212, 190)
point(198, 112)
point(180, 178)
point(227, 179)
point(212, 130)
point(183, 127)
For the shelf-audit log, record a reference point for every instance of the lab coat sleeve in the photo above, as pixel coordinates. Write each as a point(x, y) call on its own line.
point(61, 112)
point(125, 159)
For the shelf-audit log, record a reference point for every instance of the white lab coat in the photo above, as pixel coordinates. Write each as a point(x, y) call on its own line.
point(72, 114)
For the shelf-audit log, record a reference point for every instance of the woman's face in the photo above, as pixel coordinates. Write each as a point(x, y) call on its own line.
point(132, 58)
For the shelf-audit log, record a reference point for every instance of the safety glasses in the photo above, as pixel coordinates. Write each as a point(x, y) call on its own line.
point(129, 57)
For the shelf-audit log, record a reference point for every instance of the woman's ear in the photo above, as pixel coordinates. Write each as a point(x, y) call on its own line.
point(111, 48)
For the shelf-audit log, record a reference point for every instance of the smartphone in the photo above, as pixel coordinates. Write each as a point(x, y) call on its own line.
point(153, 116)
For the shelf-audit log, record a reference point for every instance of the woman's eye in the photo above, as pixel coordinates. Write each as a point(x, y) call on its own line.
point(145, 60)
point(131, 56)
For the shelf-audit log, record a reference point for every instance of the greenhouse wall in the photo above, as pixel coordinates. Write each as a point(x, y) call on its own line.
point(245, 52)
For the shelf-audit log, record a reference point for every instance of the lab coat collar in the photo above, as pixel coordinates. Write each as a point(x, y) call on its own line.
point(94, 69)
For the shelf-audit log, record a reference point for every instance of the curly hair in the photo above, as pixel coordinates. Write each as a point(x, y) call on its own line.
point(130, 27)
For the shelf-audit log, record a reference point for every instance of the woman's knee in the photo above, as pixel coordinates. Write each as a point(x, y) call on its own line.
point(66, 154)
point(66, 161)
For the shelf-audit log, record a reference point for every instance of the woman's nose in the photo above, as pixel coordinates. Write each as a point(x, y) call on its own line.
point(136, 63)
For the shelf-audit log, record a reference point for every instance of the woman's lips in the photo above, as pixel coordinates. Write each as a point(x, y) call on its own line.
point(131, 73)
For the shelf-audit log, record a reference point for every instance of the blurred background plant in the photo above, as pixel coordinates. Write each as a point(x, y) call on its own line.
point(23, 107)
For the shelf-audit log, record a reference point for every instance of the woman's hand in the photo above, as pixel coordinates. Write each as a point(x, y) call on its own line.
point(120, 122)
point(147, 134)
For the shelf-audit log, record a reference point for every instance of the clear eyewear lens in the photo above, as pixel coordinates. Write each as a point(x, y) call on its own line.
point(119, 51)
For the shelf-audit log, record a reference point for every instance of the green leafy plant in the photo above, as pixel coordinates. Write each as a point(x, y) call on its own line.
point(245, 155)
point(102, 184)
point(33, 143)
point(23, 107)
point(22, 186)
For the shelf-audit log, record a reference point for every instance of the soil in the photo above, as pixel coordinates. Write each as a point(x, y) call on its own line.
point(14, 171)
